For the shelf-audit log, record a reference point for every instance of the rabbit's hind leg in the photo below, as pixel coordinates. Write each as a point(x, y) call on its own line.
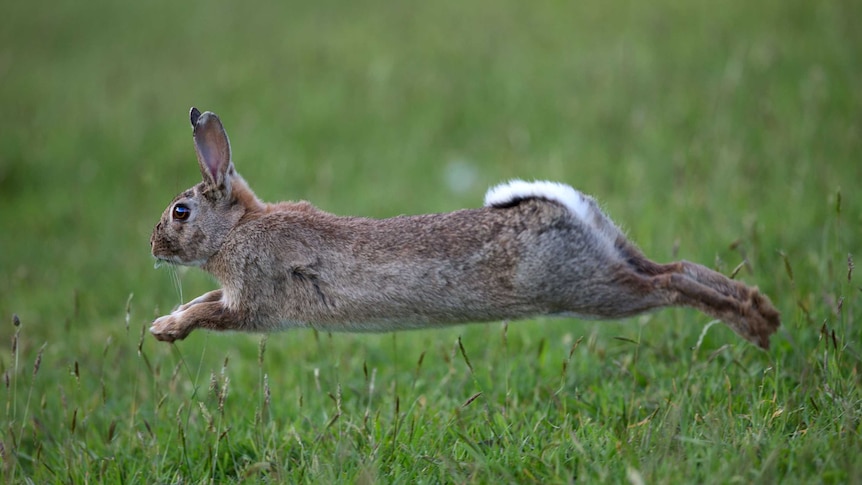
point(747, 311)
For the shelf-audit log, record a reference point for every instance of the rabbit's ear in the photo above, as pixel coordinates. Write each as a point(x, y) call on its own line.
point(213, 149)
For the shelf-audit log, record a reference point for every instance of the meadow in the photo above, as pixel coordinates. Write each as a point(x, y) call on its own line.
point(727, 134)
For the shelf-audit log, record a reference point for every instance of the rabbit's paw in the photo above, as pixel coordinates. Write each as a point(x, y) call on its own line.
point(170, 328)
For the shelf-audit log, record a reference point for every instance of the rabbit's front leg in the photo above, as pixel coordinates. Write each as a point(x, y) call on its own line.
point(214, 295)
point(211, 315)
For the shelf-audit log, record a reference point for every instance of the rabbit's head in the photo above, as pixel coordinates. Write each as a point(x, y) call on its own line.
point(194, 225)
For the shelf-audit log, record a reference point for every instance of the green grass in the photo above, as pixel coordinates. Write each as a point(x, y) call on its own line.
point(719, 133)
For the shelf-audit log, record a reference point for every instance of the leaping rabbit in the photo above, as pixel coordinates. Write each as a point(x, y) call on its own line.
point(535, 248)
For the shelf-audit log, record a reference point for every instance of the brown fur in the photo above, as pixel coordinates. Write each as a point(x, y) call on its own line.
point(293, 265)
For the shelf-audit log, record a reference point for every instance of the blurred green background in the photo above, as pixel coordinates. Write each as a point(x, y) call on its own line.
point(715, 132)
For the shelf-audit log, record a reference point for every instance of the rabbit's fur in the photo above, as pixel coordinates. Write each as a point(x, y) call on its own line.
point(537, 248)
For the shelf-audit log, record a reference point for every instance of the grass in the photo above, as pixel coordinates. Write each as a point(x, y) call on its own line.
point(725, 135)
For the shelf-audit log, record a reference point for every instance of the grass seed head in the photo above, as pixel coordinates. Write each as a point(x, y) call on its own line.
point(464, 354)
point(261, 350)
point(129, 310)
point(223, 395)
point(213, 389)
point(38, 362)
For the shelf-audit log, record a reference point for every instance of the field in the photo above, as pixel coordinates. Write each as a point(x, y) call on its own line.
point(727, 134)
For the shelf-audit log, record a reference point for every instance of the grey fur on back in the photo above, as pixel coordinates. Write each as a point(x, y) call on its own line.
point(464, 266)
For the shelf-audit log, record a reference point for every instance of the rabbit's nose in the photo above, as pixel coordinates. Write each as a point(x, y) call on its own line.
point(153, 235)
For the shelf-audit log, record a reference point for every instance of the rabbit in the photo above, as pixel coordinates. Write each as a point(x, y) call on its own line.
point(535, 248)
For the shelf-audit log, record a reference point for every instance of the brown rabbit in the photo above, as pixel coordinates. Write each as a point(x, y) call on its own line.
point(536, 248)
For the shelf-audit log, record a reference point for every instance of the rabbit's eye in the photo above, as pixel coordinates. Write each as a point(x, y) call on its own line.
point(181, 212)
